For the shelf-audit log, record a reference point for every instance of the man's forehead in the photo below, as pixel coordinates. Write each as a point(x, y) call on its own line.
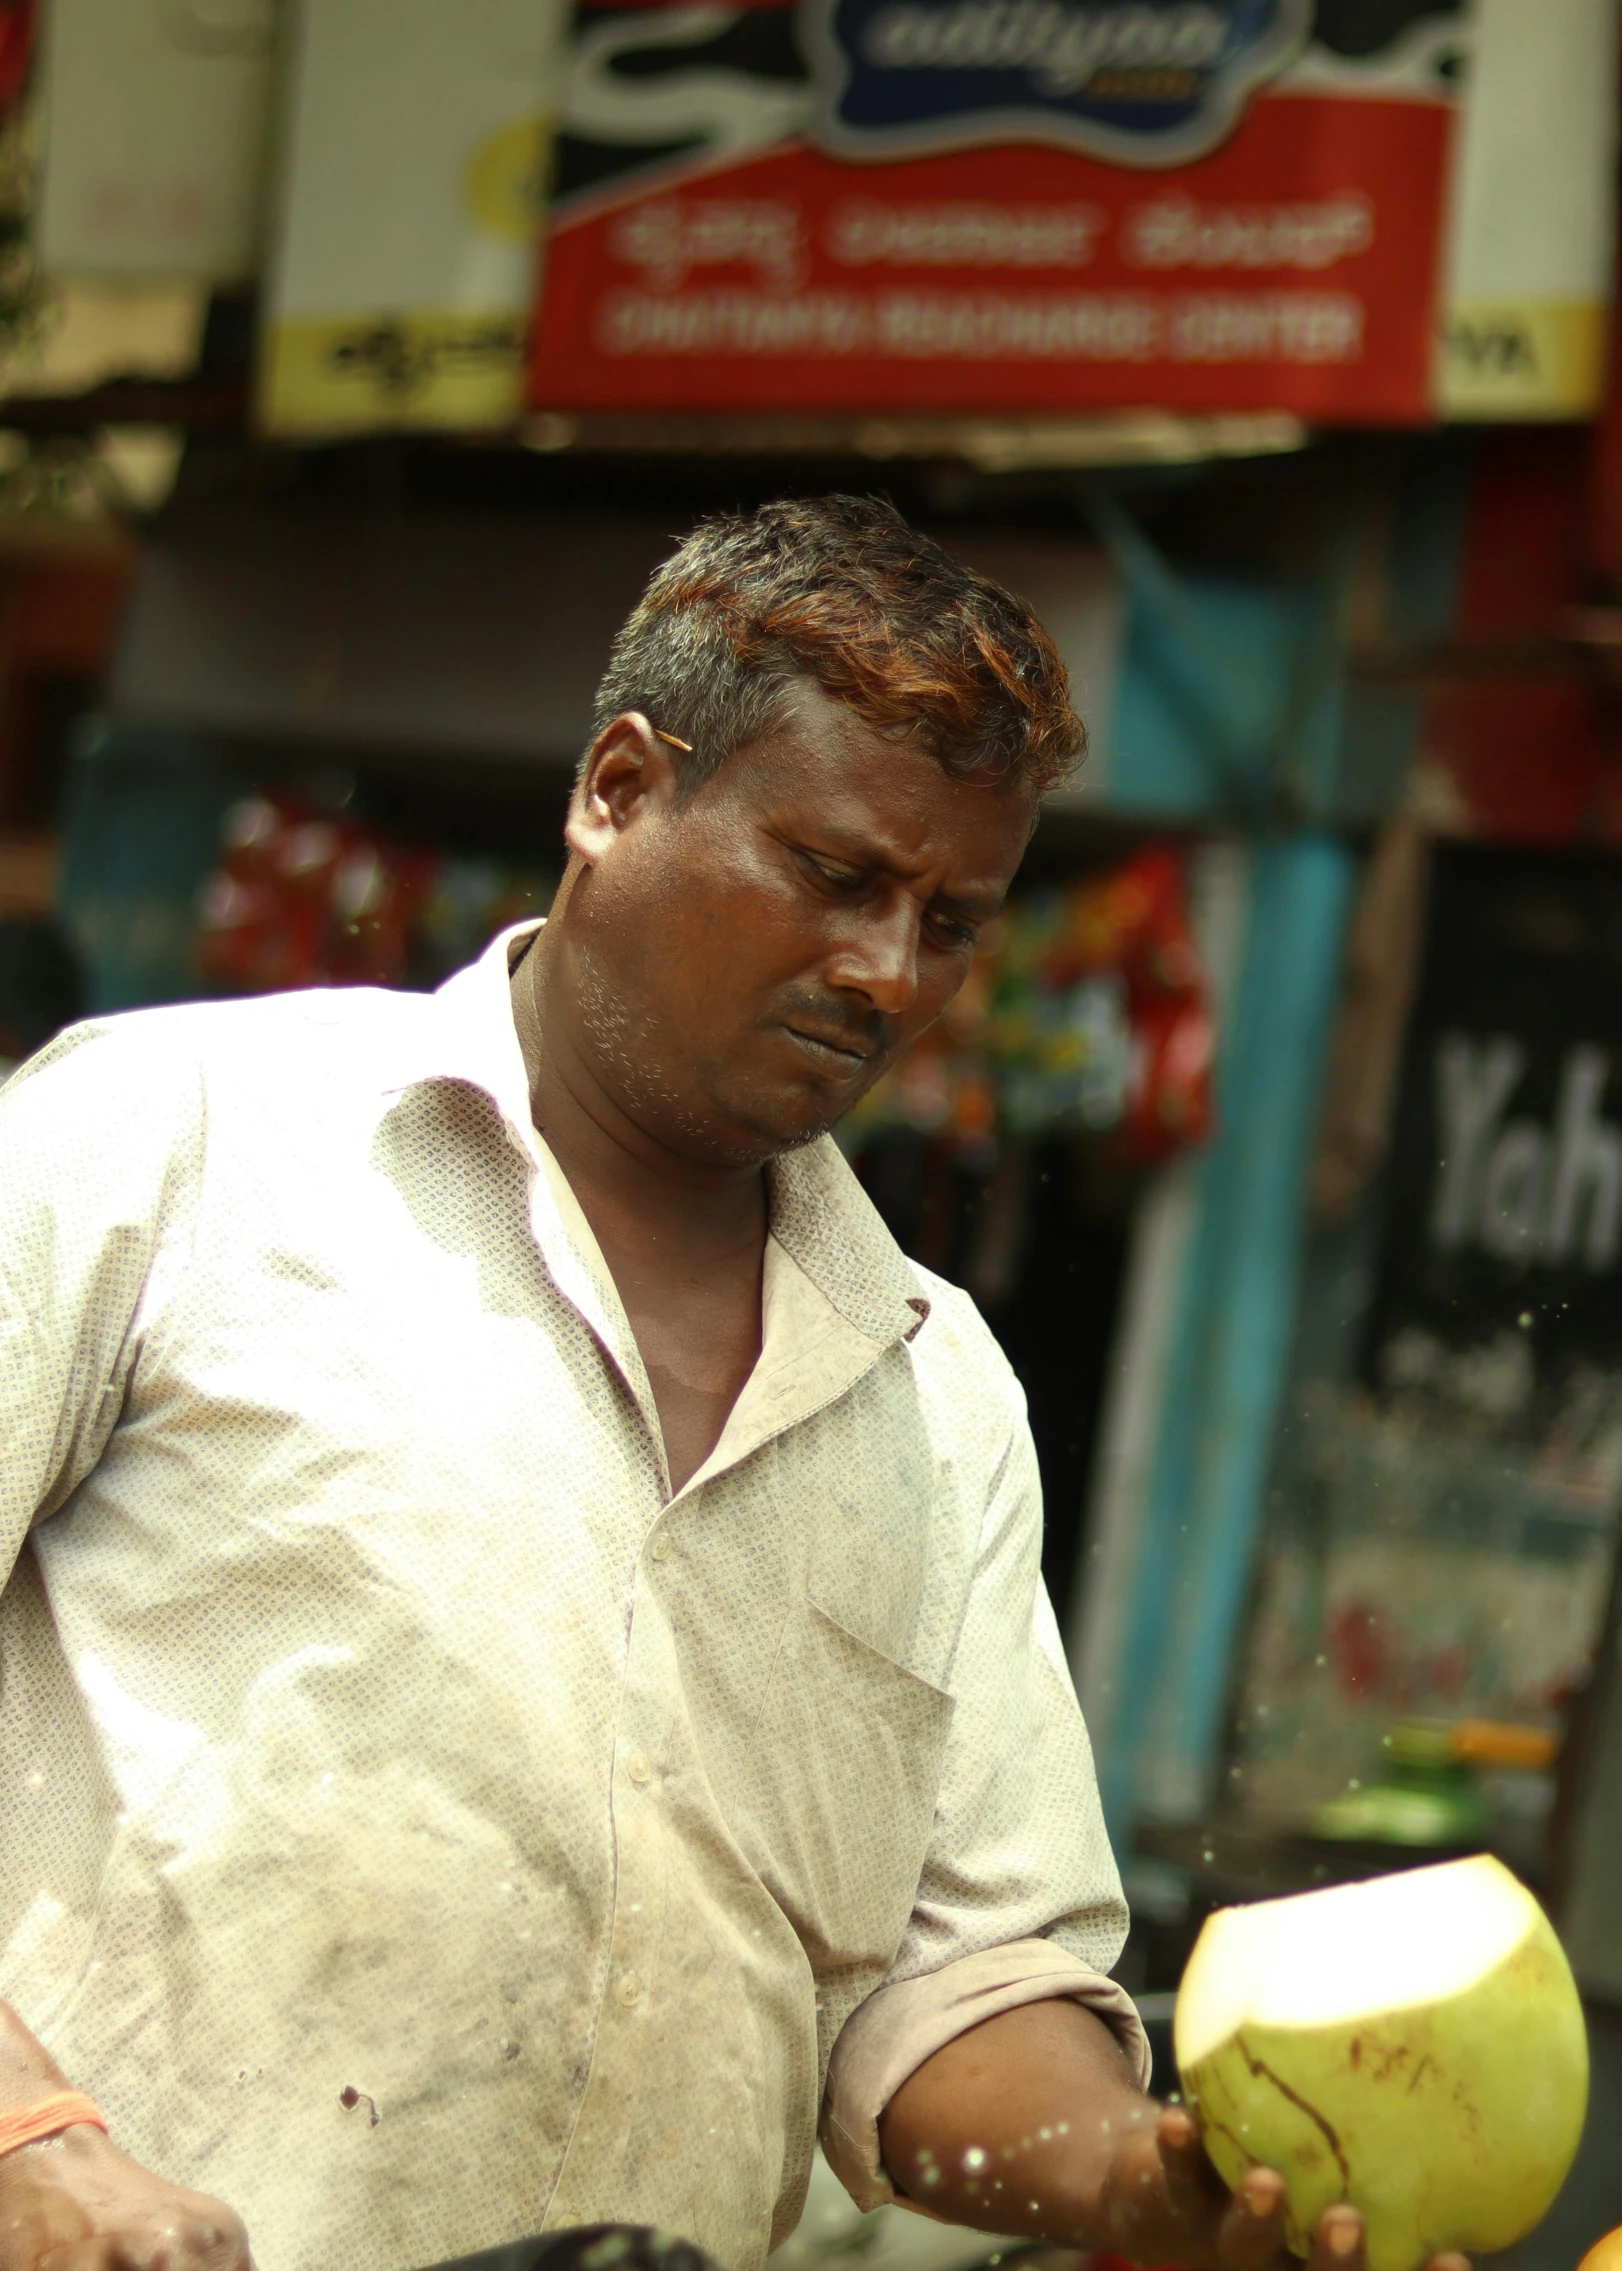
point(824, 751)
point(812, 722)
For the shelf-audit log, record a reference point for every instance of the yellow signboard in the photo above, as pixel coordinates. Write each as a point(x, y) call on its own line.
point(408, 213)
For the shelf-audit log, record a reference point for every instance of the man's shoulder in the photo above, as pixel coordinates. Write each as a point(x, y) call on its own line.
point(956, 1342)
point(956, 1357)
point(269, 1035)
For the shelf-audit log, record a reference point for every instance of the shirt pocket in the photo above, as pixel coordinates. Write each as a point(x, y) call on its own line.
point(838, 1791)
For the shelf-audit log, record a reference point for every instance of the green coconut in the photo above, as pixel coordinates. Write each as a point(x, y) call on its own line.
point(1413, 2045)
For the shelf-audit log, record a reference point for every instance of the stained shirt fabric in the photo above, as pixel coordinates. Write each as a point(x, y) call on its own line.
point(418, 1827)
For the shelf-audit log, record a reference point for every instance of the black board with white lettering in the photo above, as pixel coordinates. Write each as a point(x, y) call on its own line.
point(1441, 1528)
point(1498, 1289)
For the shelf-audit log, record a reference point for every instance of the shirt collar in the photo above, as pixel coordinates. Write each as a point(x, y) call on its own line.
point(819, 1213)
point(475, 1038)
point(825, 1221)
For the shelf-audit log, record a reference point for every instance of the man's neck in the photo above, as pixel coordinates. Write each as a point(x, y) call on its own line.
point(614, 1166)
point(684, 1243)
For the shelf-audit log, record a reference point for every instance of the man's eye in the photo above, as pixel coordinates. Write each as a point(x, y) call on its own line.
point(839, 878)
point(956, 933)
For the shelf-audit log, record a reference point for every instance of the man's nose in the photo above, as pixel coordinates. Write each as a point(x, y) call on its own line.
point(879, 958)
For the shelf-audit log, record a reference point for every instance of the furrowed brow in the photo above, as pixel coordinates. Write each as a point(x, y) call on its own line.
point(977, 907)
point(834, 842)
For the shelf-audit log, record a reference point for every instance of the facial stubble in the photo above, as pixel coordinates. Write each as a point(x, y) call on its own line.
point(626, 1044)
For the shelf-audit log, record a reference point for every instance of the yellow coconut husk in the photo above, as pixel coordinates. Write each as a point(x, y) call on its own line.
point(1414, 2045)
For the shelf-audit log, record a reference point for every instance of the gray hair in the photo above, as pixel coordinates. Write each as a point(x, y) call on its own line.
point(841, 591)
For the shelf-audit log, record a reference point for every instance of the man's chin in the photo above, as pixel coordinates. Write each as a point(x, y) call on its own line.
point(754, 1129)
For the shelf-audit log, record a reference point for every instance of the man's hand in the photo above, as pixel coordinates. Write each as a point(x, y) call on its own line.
point(1032, 2124)
point(1162, 2202)
point(74, 2202)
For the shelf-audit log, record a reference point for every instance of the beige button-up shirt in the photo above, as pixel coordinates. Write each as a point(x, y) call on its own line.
point(417, 1826)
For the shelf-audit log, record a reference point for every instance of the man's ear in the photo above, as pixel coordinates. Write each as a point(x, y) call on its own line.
point(629, 773)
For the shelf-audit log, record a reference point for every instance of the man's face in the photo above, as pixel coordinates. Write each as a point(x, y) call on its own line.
point(744, 966)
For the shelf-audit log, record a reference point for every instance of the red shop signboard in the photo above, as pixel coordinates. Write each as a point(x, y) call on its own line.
point(987, 205)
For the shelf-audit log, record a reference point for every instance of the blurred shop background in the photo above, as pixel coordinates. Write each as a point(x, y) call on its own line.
point(358, 360)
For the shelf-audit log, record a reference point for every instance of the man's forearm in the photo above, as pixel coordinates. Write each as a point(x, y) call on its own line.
point(1032, 2124)
point(73, 2197)
point(1015, 2125)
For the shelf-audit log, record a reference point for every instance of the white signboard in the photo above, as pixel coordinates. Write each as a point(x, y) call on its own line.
point(156, 115)
point(1533, 213)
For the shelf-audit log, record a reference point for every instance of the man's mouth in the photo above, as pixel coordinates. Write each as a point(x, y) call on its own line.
point(843, 1055)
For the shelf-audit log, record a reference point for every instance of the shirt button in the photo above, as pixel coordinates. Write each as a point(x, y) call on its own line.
point(629, 1988)
point(640, 1769)
point(661, 1548)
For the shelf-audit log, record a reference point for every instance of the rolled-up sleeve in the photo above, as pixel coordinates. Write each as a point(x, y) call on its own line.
point(1019, 1900)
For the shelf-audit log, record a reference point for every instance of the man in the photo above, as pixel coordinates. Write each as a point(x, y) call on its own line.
point(526, 1676)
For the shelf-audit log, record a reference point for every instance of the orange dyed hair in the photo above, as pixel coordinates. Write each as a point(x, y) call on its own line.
point(842, 591)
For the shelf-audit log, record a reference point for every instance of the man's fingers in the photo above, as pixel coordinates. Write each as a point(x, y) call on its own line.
point(1246, 2226)
point(1251, 2232)
point(1340, 2242)
point(1189, 2173)
point(1177, 2129)
point(214, 2243)
point(1152, 2188)
point(218, 2237)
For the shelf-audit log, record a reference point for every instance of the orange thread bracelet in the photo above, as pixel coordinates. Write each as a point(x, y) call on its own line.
point(63, 2111)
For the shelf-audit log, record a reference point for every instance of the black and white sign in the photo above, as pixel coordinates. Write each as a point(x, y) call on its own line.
point(1499, 1287)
